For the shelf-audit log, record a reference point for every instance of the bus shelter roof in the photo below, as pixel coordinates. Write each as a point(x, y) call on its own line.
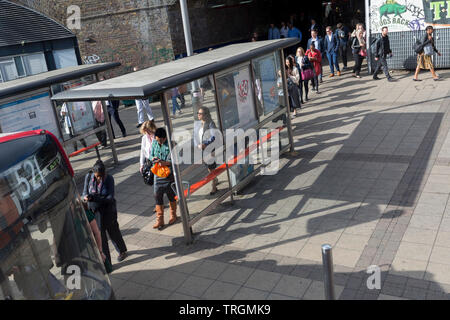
point(46, 79)
point(157, 79)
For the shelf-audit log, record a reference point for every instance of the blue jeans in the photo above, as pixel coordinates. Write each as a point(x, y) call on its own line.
point(175, 105)
point(333, 60)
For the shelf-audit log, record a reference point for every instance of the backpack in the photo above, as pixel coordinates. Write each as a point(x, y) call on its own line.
point(418, 47)
point(373, 46)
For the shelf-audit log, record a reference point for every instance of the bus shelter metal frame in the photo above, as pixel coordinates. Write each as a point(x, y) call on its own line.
point(42, 83)
point(91, 94)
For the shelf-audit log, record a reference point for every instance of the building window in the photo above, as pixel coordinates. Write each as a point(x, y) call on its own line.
point(22, 66)
point(65, 58)
point(8, 69)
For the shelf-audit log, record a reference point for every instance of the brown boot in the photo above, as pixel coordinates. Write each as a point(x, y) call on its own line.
point(173, 213)
point(159, 217)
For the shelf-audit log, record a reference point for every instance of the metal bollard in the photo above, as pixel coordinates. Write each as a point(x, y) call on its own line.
point(328, 281)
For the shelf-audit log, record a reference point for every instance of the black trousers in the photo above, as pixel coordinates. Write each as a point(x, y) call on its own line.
point(101, 135)
point(382, 63)
point(315, 82)
point(115, 114)
point(343, 54)
point(358, 62)
point(109, 226)
point(306, 88)
point(159, 194)
point(75, 146)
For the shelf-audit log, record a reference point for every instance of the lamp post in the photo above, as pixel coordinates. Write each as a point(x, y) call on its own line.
point(196, 93)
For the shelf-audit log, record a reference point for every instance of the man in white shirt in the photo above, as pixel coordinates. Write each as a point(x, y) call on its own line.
point(284, 31)
point(141, 106)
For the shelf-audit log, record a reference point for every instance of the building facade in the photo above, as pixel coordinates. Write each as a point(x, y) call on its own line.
point(31, 43)
point(144, 33)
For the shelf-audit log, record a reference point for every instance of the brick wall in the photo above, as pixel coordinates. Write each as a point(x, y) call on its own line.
point(132, 32)
point(148, 32)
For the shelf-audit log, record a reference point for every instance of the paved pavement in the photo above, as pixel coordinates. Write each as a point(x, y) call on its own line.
point(371, 178)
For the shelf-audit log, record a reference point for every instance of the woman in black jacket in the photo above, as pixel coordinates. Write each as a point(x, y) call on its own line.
point(98, 191)
point(424, 57)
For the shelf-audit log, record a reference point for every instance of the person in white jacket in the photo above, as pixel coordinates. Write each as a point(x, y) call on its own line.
point(147, 130)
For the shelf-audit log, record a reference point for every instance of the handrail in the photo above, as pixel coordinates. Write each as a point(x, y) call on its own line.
point(84, 149)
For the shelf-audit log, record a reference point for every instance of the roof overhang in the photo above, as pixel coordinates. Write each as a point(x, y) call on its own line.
point(46, 79)
point(157, 79)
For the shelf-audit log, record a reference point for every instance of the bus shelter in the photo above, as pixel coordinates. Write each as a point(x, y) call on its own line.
point(243, 90)
point(25, 104)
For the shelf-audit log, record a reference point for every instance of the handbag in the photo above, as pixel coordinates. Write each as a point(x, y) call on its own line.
point(161, 171)
point(307, 74)
point(428, 50)
point(147, 174)
point(363, 53)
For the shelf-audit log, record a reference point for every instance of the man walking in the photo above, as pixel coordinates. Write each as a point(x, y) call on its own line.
point(294, 33)
point(274, 32)
point(383, 49)
point(113, 111)
point(318, 44)
point(343, 34)
point(143, 106)
point(331, 46)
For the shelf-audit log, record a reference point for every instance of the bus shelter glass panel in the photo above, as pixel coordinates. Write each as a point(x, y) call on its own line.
point(268, 87)
point(199, 143)
point(45, 236)
point(238, 113)
point(76, 118)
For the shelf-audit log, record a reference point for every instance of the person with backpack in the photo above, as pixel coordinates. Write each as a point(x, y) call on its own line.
point(98, 192)
point(358, 48)
point(331, 46)
point(425, 51)
point(382, 51)
point(342, 33)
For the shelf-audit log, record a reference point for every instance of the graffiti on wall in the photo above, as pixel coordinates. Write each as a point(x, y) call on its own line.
point(406, 15)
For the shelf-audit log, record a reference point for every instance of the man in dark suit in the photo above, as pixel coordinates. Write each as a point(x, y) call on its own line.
point(331, 48)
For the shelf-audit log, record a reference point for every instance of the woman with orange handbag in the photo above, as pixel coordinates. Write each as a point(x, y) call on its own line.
point(164, 178)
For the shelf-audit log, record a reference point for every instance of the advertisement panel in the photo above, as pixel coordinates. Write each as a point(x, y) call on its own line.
point(32, 112)
point(409, 15)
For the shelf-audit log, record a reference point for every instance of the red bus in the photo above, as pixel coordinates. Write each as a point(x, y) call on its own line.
point(47, 250)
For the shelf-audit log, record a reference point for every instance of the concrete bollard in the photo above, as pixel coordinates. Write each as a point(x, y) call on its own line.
point(328, 281)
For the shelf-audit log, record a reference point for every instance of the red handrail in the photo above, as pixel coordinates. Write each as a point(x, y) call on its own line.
point(84, 149)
